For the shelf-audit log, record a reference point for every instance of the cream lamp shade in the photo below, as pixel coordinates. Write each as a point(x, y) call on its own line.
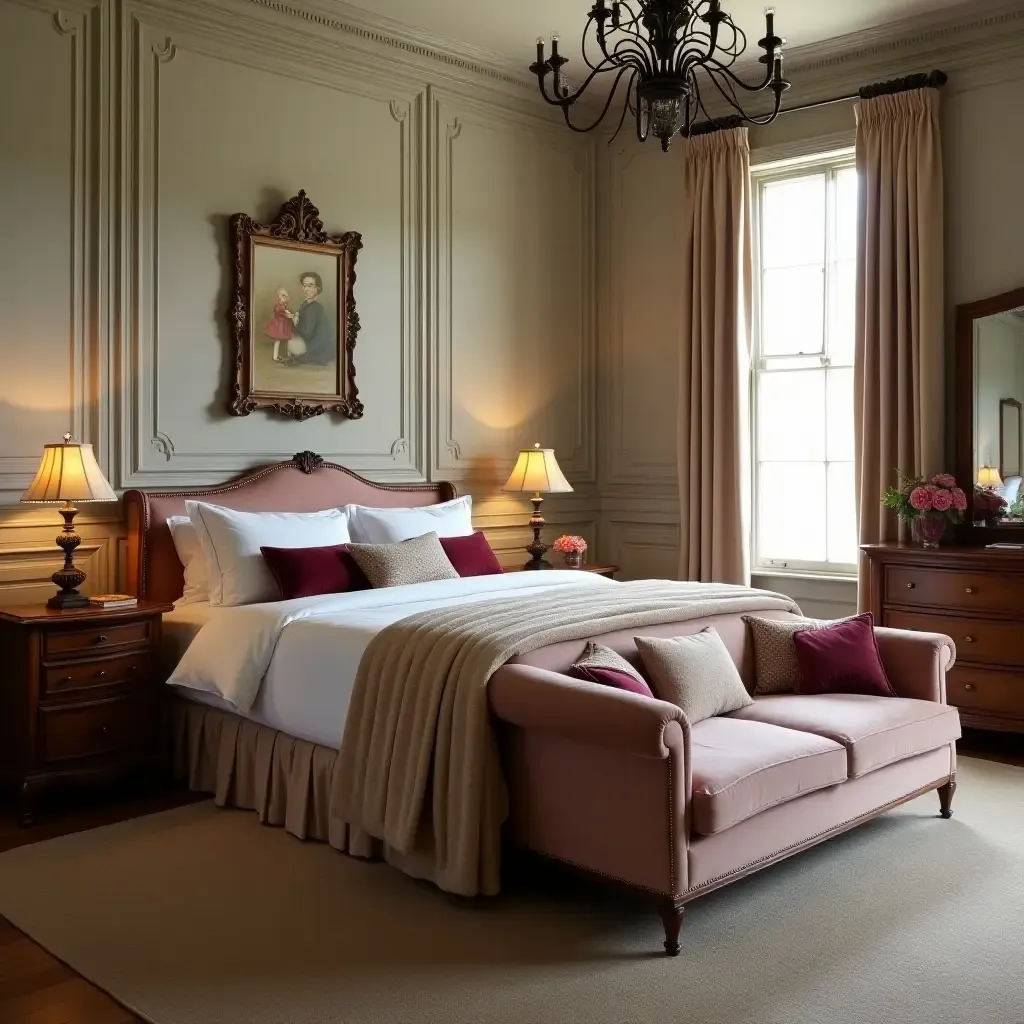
point(537, 471)
point(988, 476)
point(69, 472)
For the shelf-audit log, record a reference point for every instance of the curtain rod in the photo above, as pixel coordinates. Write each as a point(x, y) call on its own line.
point(924, 80)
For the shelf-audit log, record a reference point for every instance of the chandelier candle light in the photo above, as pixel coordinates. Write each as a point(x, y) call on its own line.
point(657, 47)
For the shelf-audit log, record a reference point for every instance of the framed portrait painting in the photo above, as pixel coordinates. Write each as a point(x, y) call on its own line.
point(294, 316)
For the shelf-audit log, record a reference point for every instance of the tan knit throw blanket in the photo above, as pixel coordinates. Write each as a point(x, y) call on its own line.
point(419, 766)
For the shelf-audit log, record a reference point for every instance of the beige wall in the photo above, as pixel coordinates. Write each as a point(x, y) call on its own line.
point(641, 238)
point(142, 125)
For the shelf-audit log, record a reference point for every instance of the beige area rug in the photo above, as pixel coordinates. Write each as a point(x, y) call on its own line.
point(203, 915)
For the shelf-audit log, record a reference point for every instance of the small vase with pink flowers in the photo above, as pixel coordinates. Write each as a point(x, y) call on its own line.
point(928, 506)
point(573, 548)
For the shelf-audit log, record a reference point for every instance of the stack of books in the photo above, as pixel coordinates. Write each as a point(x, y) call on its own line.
point(114, 601)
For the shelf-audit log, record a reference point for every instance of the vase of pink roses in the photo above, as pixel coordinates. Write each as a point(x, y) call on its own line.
point(573, 548)
point(989, 507)
point(929, 506)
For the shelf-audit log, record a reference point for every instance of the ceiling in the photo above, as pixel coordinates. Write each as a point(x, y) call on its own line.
point(510, 29)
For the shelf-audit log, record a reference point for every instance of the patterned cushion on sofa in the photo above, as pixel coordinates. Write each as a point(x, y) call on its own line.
point(776, 668)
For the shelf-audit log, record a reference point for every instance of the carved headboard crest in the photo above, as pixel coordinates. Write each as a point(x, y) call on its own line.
point(307, 461)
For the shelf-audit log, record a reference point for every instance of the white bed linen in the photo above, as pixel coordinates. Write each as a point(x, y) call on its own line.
point(291, 665)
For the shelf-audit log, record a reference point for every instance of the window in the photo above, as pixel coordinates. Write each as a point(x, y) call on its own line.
point(805, 248)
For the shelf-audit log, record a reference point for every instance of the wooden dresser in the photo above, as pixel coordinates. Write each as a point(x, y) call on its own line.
point(79, 697)
point(975, 596)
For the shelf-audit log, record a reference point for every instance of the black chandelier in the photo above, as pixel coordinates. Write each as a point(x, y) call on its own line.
point(657, 47)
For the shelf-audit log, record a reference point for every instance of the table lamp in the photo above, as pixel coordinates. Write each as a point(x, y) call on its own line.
point(988, 476)
point(537, 470)
point(68, 473)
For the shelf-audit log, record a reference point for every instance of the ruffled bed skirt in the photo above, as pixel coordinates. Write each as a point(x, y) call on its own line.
point(286, 781)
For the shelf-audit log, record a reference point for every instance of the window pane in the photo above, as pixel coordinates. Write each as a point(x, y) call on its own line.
point(846, 214)
point(791, 416)
point(839, 406)
point(842, 514)
point(792, 311)
point(793, 222)
point(791, 511)
point(841, 326)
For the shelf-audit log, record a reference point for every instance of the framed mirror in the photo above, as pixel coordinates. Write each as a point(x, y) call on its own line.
point(990, 416)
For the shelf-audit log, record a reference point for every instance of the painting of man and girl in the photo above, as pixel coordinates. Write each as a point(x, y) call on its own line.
point(295, 321)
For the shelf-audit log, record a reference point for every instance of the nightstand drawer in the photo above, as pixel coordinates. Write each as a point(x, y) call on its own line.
point(62, 679)
point(97, 638)
point(953, 588)
point(90, 730)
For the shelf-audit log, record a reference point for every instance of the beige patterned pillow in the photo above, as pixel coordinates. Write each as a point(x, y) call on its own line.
point(696, 673)
point(776, 668)
point(419, 560)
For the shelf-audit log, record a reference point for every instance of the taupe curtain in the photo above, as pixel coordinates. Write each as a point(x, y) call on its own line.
point(899, 376)
point(714, 364)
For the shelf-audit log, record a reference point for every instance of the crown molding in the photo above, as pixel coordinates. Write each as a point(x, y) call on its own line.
point(338, 16)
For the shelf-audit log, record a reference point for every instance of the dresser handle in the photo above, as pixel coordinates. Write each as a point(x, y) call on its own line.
point(68, 679)
point(103, 730)
point(970, 590)
point(102, 639)
point(968, 639)
point(968, 686)
point(101, 673)
point(910, 586)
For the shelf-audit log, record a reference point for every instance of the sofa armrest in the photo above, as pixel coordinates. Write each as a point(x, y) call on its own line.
point(916, 663)
point(538, 699)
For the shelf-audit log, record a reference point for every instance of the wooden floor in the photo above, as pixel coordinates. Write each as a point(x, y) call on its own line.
point(36, 988)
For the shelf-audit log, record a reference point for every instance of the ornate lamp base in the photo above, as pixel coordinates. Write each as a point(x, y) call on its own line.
point(537, 549)
point(69, 578)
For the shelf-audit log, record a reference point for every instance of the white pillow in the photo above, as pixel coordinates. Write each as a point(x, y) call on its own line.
point(192, 558)
point(232, 540)
point(390, 525)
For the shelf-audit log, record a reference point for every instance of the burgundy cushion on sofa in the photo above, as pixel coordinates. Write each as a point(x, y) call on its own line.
point(472, 555)
point(842, 659)
point(305, 572)
point(613, 677)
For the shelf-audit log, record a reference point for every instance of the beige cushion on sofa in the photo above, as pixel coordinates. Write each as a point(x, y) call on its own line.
point(776, 669)
point(875, 730)
point(742, 768)
point(419, 560)
point(696, 673)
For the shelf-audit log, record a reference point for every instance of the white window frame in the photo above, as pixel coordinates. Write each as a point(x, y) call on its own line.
point(829, 163)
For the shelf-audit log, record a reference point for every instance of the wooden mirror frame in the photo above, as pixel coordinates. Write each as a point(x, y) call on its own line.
point(966, 315)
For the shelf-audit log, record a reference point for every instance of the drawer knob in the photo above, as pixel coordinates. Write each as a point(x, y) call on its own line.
point(970, 590)
point(968, 686)
point(68, 679)
point(101, 673)
point(102, 639)
point(910, 586)
point(103, 730)
point(968, 639)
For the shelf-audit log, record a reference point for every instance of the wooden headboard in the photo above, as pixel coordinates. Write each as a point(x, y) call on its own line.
point(306, 483)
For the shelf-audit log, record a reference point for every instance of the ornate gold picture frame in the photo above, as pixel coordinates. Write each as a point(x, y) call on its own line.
point(293, 317)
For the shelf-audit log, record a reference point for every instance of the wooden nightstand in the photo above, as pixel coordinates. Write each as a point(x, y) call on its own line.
point(79, 698)
point(600, 570)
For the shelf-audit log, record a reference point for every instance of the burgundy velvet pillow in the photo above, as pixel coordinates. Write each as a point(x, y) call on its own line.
point(842, 659)
point(613, 677)
point(472, 555)
point(306, 572)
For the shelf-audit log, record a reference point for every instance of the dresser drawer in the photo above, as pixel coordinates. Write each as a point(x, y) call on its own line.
point(120, 725)
point(957, 589)
point(978, 641)
point(979, 689)
point(77, 641)
point(62, 679)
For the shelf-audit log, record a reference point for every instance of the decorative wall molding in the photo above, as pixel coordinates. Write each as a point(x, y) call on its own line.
point(140, 272)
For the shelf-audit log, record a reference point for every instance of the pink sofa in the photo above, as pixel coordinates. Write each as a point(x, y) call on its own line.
point(623, 787)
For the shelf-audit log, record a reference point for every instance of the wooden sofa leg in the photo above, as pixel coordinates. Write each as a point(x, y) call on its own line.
point(946, 798)
point(671, 910)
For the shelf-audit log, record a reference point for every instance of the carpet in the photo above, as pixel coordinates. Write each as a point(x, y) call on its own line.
point(203, 915)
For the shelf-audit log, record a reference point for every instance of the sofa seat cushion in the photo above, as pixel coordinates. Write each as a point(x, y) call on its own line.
point(741, 768)
point(875, 731)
